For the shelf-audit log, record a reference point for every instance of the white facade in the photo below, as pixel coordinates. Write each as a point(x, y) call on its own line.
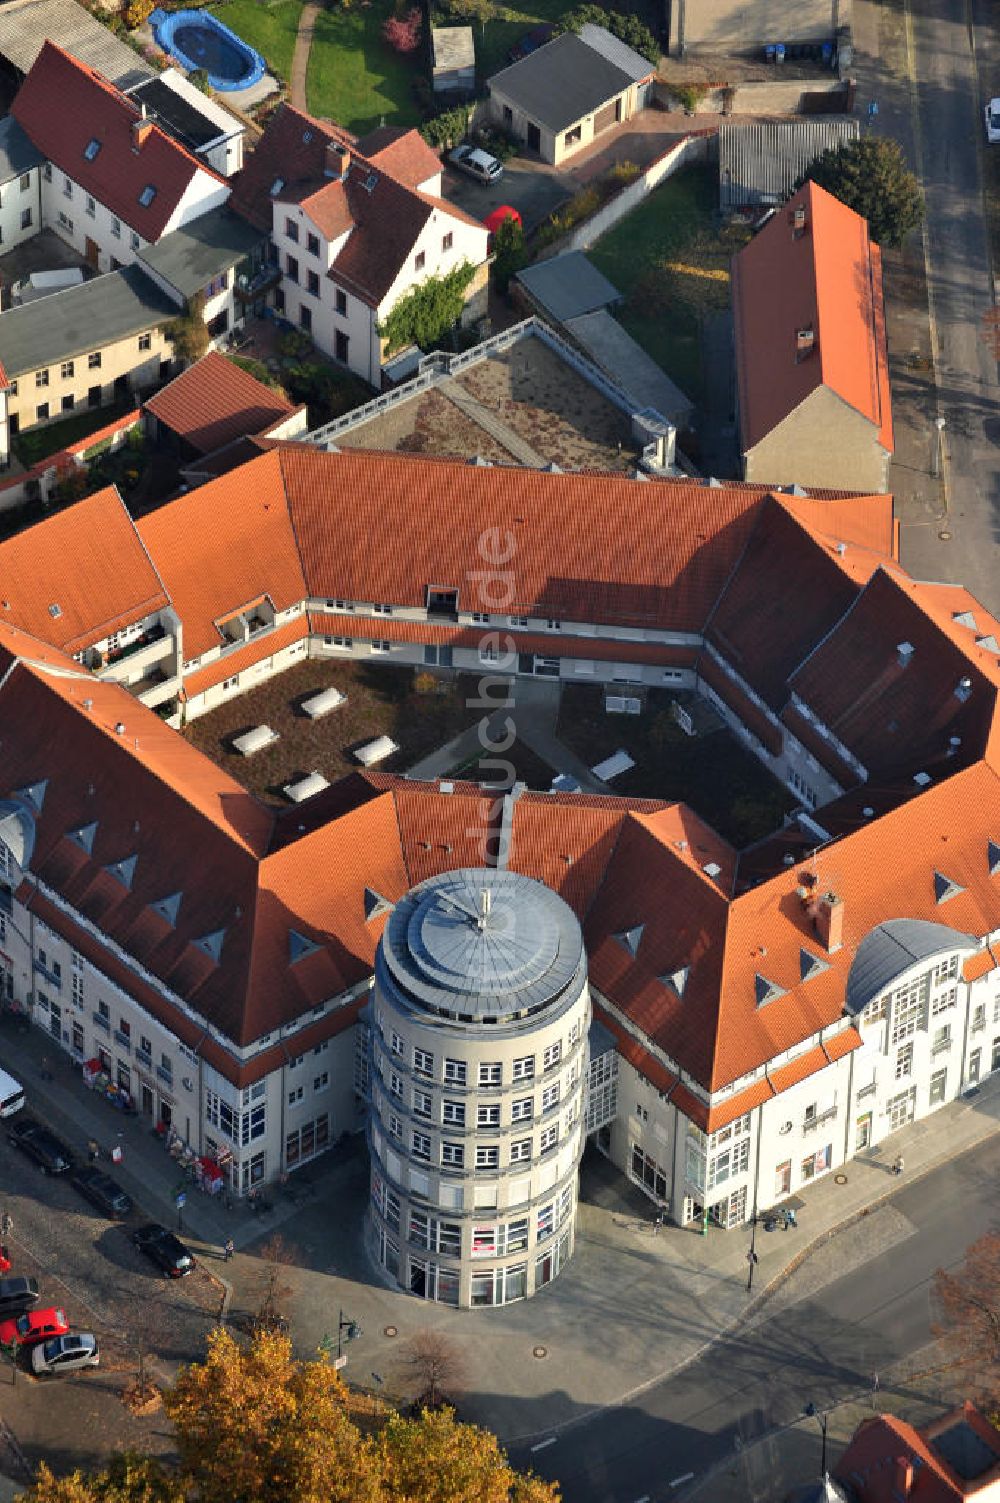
point(20, 209)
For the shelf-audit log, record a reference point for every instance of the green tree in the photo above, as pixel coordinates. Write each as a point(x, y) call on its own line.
point(466, 10)
point(426, 314)
point(870, 175)
point(509, 251)
point(188, 333)
point(626, 28)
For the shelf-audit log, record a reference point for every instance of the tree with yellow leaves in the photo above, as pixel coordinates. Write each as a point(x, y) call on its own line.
point(128, 1479)
point(434, 1459)
point(252, 1423)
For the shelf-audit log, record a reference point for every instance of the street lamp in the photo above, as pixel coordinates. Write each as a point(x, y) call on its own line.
point(813, 1413)
point(752, 1254)
point(348, 1327)
point(939, 426)
point(378, 1380)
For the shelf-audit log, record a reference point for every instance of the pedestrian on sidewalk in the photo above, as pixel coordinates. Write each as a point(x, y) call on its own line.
point(228, 1250)
point(897, 1167)
point(93, 1150)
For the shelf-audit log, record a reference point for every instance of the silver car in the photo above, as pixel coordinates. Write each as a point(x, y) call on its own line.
point(65, 1354)
point(476, 163)
point(992, 113)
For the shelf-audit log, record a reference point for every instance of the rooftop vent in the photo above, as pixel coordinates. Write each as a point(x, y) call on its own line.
point(211, 944)
point(371, 182)
point(88, 704)
point(964, 618)
point(123, 870)
point(921, 779)
point(868, 812)
point(766, 991)
point(338, 160)
point(799, 220)
point(805, 341)
point(904, 652)
point(841, 549)
point(677, 980)
point(631, 939)
point(120, 727)
point(954, 742)
point(84, 837)
point(167, 908)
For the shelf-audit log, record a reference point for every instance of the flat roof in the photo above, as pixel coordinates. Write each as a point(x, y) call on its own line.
point(183, 117)
point(453, 47)
point(568, 285)
point(190, 257)
point(103, 310)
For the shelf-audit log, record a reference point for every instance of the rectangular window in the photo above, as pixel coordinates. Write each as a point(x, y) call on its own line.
point(908, 1009)
point(94, 400)
point(340, 302)
point(395, 1085)
point(145, 341)
point(291, 229)
point(91, 207)
point(312, 283)
point(487, 1156)
point(67, 188)
point(396, 1045)
point(68, 402)
point(484, 1241)
point(42, 378)
point(305, 319)
point(520, 1152)
point(455, 1072)
point(379, 646)
point(453, 1155)
point(341, 346)
point(550, 1096)
point(26, 219)
point(490, 1074)
point(524, 1068)
point(291, 269)
point(522, 1110)
point(295, 1096)
point(904, 1061)
point(41, 412)
point(447, 241)
point(453, 1113)
point(94, 360)
point(66, 369)
point(47, 172)
point(420, 1147)
point(546, 1222)
point(418, 261)
point(552, 1056)
point(66, 222)
point(395, 1126)
point(488, 1116)
point(939, 1082)
point(116, 228)
point(320, 1082)
point(421, 1104)
point(549, 1138)
point(312, 244)
point(783, 1178)
point(423, 1062)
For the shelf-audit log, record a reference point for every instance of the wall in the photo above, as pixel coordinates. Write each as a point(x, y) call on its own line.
point(114, 239)
point(202, 193)
point(40, 481)
point(696, 147)
point(824, 442)
point(122, 358)
point(775, 95)
point(16, 200)
point(732, 27)
point(554, 146)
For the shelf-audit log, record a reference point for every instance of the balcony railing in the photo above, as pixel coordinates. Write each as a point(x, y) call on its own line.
point(154, 634)
point(867, 1090)
point(144, 1060)
point(41, 969)
point(939, 1046)
point(167, 1076)
point(811, 1122)
point(123, 1041)
point(102, 1021)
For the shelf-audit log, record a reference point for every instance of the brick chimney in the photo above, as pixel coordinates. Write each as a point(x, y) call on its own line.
point(140, 130)
point(903, 1477)
point(828, 921)
point(338, 160)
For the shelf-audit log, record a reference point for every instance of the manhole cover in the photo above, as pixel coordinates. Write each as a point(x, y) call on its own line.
point(389, 1331)
point(945, 536)
point(539, 1351)
point(840, 1179)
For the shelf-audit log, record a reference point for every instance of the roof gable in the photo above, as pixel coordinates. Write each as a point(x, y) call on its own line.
point(214, 402)
point(560, 83)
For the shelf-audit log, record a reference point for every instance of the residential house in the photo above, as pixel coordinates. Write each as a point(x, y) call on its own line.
point(811, 363)
point(218, 257)
point(761, 162)
point(81, 348)
point(351, 234)
point(732, 28)
point(113, 181)
point(765, 1014)
point(20, 190)
point(949, 1460)
point(562, 96)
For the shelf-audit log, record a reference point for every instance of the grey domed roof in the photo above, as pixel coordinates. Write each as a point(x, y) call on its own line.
point(893, 947)
point(480, 946)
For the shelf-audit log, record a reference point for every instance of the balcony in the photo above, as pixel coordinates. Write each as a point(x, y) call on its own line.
point(941, 1046)
point(827, 1116)
point(101, 1021)
point(123, 1040)
point(156, 688)
point(167, 1076)
point(867, 1090)
point(54, 978)
point(143, 1060)
point(250, 286)
point(149, 648)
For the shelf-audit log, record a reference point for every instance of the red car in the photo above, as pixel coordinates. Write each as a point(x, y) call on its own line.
point(33, 1325)
point(4, 1260)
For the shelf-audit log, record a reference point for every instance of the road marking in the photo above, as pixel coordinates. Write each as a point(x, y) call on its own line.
point(643, 1499)
point(678, 1480)
point(543, 1443)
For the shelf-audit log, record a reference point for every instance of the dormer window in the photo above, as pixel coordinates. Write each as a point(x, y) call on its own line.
point(147, 195)
point(277, 186)
point(91, 149)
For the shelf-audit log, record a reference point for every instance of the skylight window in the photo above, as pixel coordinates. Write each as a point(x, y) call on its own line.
point(147, 195)
point(91, 149)
point(277, 186)
point(55, 610)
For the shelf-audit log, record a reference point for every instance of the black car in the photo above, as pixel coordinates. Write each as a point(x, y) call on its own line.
point(164, 1249)
point(51, 1156)
point(17, 1295)
point(102, 1191)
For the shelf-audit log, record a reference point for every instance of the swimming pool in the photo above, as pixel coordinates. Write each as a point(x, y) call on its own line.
point(198, 40)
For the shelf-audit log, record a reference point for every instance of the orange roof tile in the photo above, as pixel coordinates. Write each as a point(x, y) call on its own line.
point(111, 583)
point(262, 645)
point(214, 402)
point(980, 964)
point(63, 105)
point(738, 1105)
point(402, 152)
point(827, 277)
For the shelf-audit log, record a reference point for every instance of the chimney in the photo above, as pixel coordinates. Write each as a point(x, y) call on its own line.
point(338, 160)
point(829, 921)
point(903, 1477)
point(140, 129)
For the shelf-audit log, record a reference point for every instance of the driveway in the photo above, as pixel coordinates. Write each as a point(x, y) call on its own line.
point(530, 187)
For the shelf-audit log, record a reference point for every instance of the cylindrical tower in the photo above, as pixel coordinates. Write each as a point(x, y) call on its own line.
point(480, 1018)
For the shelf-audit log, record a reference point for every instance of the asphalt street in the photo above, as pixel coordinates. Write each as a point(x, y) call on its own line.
point(856, 1306)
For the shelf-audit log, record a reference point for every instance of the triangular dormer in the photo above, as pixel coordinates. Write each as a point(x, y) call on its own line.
point(945, 888)
point(989, 644)
point(34, 794)
point(376, 905)
point(676, 981)
point(766, 991)
point(211, 944)
point(811, 965)
point(123, 870)
point(631, 939)
point(964, 618)
point(299, 946)
point(167, 908)
point(993, 857)
point(84, 837)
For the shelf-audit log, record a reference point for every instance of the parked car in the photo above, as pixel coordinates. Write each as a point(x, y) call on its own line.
point(102, 1191)
point(65, 1354)
point(476, 163)
point(531, 42)
point(17, 1294)
point(164, 1249)
point(32, 1326)
point(992, 113)
point(51, 1156)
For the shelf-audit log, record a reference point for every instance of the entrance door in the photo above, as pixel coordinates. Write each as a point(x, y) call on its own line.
point(55, 1021)
point(863, 1137)
point(534, 138)
point(607, 117)
point(93, 254)
point(975, 1064)
point(147, 1101)
point(165, 1113)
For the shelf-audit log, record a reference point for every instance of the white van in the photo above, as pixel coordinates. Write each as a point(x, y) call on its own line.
point(43, 283)
point(11, 1095)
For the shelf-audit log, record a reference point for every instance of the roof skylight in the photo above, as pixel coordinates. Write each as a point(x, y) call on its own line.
point(91, 149)
point(147, 195)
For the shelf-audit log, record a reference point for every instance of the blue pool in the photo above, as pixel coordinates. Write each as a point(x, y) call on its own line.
point(197, 40)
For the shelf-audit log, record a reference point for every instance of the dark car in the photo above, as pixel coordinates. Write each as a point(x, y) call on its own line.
point(102, 1191)
point(164, 1249)
point(51, 1156)
point(17, 1295)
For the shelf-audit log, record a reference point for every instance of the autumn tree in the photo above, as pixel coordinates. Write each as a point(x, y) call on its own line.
point(967, 1301)
point(128, 1478)
point(870, 175)
point(403, 32)
point(274, 1290)
point(252, 1423)
point(434, 1459)
point(435, 1363)
point(188, 333)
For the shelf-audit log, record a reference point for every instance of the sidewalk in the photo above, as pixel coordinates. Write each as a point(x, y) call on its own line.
point(659, 1297)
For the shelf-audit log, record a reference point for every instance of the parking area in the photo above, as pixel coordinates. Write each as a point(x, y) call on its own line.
point(530, 187)
point(43, 252)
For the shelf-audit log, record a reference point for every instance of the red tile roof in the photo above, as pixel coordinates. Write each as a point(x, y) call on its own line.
point(402, 152)
point(826, 277)
point(63, 105)
point(880, 1446)
point(214, 402)
point(292, 148)
point(111, 583)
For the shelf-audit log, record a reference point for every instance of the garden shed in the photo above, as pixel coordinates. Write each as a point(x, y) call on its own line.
point(453, 55)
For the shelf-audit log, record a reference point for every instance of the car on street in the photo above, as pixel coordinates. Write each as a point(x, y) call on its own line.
point(51, 1155)
point(102, 1191)
point(992, 113)
point(32, 1326)
point(65, 1354)
point(164, 1249)
point(17, 1294)
point(476, 163)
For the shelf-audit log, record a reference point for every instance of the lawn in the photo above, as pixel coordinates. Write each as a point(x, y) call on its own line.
point(712, 772)
point(354, 77)
point(39, 443)
point(270, 27)
point(671, 261)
